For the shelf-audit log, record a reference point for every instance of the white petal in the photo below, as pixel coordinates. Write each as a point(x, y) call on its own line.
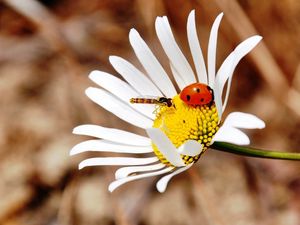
point(165, 146)
point(229, 64)
point(114, 135)
point(224, 71)
point(120, 89)
point(240, 51)
point(125, 171)
point(226, 68)
point(245, 47)
point(120, 182)
point(227, 93)
point(116, 161)
point(106, 146)
point(196, 48)
point(244, 120)
point(218, 102)
point(175, 55)
point(212, 48)
point(161, 185)
point(180, 82)
point(134, 77)
point(231, 135)
point(151, 64)
point(118, 108)
point(190, 148)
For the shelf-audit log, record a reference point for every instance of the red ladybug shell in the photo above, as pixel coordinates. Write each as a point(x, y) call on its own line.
point(197, 94)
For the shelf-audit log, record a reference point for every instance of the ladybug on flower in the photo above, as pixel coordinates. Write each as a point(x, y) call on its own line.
point(184, 124)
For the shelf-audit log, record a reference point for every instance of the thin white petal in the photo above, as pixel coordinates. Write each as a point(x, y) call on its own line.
point(165, 146)
point(116, 161)
point(175, 55)
point(224, 72)
point(112, 84)
point(111, 134)
point(226, 68)
point(151, 64)
point(118, 108)
point(227, 93)
point(122, 90)
point(245, 47)
point(134, 77)
point(229, 64)
point(120, 182)
point(190, 148)
point(244, 120)
point(212, 48)
point(240, 52)
point(231, 135)
point(195, 48)
point(106, 146)
point(125, 171)
point(218, 100)
point(161, 185)
point(180, 82)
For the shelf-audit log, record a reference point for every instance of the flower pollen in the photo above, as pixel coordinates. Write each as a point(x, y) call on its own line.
point(183, 122)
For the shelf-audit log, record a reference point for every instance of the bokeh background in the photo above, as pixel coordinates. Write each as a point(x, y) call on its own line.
point(47, 49)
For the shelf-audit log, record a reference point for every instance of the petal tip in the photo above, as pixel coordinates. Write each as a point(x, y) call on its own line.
point(76, 130)
point(158, 21)
point(219, 17)
point(133, 36)
point(133, 31)
point(191, 14)
point(72, 152)
point(160, 188)
point(112, 58)
point(112, 187)
point(262, 125)
point(93, 75)
point(81, 165)
point(90, 91)
point(257, 38)
point(75, 150)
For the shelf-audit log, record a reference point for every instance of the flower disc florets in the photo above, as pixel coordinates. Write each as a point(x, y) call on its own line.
point(183, 122)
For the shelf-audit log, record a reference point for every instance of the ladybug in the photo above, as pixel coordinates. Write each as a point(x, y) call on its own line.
point(197, 94)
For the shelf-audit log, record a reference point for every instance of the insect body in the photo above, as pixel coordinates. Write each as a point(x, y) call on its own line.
point(157, 101)
point(197, 94)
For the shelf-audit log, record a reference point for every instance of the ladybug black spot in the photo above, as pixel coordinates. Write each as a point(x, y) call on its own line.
point(198, 90)
point(202, 99)
point(183, 121)
point(188, 97)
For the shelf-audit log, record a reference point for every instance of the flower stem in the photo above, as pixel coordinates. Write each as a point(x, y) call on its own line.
point(253, 152)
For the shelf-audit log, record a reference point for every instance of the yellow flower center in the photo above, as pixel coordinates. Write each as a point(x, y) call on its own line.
point(182, 122)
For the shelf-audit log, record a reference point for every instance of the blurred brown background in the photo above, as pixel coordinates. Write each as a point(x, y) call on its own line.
point(47, 49)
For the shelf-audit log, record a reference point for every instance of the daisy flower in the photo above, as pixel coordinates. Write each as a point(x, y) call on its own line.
point(179, 132)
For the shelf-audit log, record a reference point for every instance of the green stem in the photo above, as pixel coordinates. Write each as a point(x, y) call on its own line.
point(253, 152)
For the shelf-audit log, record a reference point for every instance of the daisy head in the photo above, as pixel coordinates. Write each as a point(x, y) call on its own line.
point(179, 126)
